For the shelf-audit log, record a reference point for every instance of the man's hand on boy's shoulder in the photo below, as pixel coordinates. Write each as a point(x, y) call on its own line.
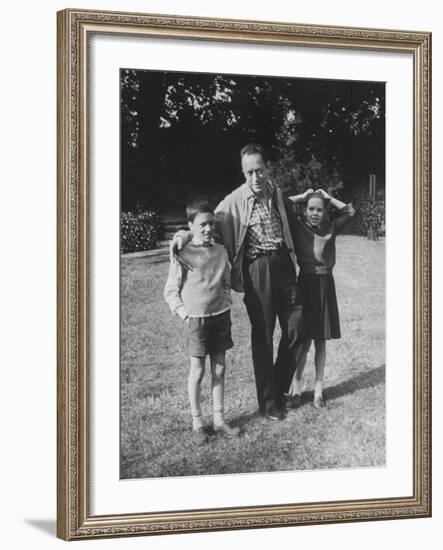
point(179, 240)
point(176, 258)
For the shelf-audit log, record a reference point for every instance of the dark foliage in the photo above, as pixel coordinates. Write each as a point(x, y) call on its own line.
point(139, 231)
point(369, 215)
point(182, 133)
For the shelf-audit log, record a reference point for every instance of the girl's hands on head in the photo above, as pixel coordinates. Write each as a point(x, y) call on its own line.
point(302, 197)
point(325, 195)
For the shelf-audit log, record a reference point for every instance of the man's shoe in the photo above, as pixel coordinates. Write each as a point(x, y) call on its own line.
point(226, 429)
point(199, 436)
point(293, 401)
point(273, 413)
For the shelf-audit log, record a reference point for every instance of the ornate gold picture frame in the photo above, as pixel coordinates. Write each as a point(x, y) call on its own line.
point(76, 517)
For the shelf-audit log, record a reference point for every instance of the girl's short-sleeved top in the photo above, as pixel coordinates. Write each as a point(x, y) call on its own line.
point(315, 247)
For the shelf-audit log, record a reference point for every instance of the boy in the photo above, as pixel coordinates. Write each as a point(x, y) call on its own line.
point(198, 291)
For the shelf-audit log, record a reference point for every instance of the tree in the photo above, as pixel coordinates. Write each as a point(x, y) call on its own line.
point(182, 132)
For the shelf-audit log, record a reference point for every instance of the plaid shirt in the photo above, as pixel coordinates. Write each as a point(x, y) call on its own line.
point(265, 227)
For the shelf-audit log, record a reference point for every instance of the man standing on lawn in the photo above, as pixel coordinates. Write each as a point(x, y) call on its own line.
point(252, 224)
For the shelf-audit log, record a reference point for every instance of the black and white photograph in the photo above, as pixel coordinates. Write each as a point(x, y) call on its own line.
point(252, 274)
point(169, 168)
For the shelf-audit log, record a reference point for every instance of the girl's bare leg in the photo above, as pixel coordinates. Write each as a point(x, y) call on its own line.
point(320, 362)
point(296, 386)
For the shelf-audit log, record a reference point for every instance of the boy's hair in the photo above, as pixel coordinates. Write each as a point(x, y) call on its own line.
point(253, 149)
point(198, 206)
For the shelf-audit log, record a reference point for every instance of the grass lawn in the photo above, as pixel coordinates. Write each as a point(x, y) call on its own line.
point(155, 417)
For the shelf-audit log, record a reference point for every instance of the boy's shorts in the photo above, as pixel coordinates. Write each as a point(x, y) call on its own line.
point(209, 334)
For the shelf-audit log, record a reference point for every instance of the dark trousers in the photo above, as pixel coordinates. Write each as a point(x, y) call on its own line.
point(271, 291)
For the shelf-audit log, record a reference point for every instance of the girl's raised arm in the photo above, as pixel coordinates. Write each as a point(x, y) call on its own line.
point(335, 202)
point(300, 198)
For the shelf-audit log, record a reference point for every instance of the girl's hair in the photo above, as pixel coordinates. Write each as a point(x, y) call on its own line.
point(198, 206)
point(317, 195)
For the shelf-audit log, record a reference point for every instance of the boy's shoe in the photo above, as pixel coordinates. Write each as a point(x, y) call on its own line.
point(199, 436)
point(319, 402)
point(226, 429)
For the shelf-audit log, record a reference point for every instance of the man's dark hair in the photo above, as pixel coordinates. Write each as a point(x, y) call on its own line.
point(197, 206)
point(253, 149)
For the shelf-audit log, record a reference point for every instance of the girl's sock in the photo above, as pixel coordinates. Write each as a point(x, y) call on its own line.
point(318, 388)
point(219, 418)
point(297, 386)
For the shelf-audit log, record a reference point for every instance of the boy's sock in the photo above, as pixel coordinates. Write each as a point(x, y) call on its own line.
point(197, 421)
point(318, 389)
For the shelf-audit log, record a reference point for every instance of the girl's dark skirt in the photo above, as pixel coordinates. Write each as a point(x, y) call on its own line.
point(320, 311)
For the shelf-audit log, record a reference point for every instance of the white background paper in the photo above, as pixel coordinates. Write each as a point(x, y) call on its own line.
point(28, 274)
point(111, 496)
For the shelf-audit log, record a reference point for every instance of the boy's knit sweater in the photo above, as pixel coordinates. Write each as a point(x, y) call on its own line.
point(203, 291)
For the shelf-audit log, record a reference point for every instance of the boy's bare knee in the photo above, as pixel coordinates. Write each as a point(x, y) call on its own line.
point(197, 368)
point(219, 371)
point(218, 366)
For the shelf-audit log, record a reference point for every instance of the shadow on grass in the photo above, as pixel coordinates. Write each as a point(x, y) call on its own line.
point(244, 419)
point(369, 379)
point(374, 377)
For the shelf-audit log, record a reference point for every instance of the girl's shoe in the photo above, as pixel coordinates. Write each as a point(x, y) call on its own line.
point(319, 402)
point(292, 401)
point(226, 429)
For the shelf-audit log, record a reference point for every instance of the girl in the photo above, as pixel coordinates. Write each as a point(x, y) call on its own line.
point(314, 242)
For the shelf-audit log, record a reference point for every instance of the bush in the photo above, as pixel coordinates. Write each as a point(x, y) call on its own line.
point(139, 231)
point(296, 177)
point(368, 215)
